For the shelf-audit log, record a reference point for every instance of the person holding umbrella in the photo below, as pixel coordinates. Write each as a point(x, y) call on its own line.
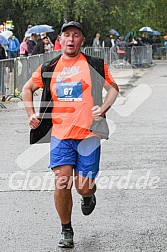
point(39, 47)
point(31, 43)
point(144, 38)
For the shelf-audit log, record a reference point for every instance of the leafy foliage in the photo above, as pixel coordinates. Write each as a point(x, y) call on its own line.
point(95, 15)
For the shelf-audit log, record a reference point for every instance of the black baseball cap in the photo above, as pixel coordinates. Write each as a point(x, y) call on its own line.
point(72, 24)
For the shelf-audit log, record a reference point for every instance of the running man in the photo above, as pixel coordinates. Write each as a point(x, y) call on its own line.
point(74, 148)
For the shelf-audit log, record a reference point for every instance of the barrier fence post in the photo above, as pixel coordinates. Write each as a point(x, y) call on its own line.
point(16, 94)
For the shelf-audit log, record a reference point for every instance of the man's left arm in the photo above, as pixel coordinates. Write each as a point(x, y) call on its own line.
point(112, 92)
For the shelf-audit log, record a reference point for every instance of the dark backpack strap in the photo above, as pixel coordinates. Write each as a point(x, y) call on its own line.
point(96, 66)
point(97, 73)
point(42, 133)
point(46, 73)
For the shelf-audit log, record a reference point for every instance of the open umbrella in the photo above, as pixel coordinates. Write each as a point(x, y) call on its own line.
point(156, 33)
point(3, 40)
point(40, 29)
point(114, 32)
point(146, 29)
point(7, 34)
point(128, 35)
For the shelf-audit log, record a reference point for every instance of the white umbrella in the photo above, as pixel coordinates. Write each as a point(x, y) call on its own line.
point(146, 29)
point(26, 35)
point(40, 29)
point(7, 34)
point(3, 40)
point(154, 32)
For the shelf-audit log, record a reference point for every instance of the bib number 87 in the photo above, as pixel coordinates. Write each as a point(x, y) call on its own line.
point(68, 91)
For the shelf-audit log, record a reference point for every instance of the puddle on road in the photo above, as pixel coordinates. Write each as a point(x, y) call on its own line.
point(125, 75)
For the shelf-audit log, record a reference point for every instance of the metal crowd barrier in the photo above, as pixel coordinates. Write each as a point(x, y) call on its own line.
point(159, 52)
point(135, 56)
point(108, 54)
point(141, 56)
point(14, 73)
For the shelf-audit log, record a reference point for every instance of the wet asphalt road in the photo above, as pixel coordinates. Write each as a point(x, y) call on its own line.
point(131, 210)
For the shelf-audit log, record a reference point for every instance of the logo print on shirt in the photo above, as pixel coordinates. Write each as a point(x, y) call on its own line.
point(67, 73)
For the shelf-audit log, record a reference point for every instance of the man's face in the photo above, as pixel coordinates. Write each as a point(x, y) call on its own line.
point(71, 40)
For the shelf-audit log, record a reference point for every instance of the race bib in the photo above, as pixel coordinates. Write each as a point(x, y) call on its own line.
point(69, 91)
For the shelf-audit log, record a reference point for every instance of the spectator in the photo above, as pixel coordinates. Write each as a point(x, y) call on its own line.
point(13, 47)
point(120, 47)
point(57, 45)
point(24, 47)
point(108, 41)
point(96, 44)
point(96, 41)
point(2, 52)
point(158, 47)
point(31, 43)
point(165, 45)
point(48, 46)
point(49, 42)
point(151, 42)
point(138, 52)
point(13, 50)
point(144, 38)
point(128, 48)
point(39, 47)
point(2, 71)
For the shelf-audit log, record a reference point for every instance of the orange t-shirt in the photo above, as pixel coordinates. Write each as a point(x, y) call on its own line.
point(71, 94)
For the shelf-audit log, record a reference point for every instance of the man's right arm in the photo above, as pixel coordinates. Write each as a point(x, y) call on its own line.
point(27, 95)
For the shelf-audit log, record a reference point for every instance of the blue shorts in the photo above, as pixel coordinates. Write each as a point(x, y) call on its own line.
point(84, 155)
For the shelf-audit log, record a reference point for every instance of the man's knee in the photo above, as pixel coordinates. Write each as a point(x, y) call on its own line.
point(63, 180)
point(85, 186)
point(83, 191)
point(86, 190)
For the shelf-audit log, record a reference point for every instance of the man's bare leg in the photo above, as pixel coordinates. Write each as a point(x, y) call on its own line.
point(63, 203)
point(86, 187)
point(62, 195)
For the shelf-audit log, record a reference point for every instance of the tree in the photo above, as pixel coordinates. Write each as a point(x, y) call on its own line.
point(95, 15)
